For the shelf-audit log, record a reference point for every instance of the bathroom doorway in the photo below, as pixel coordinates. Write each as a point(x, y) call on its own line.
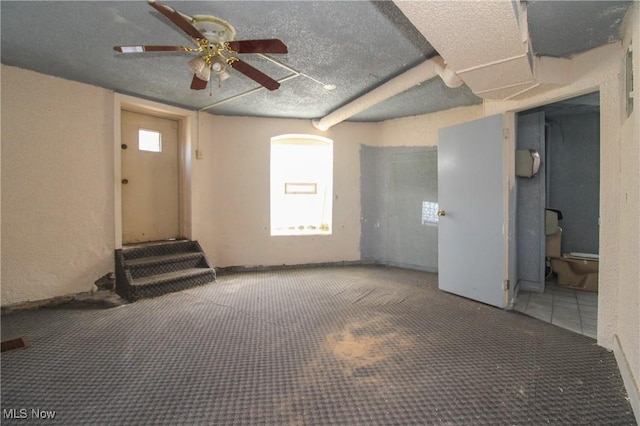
point(557, 262)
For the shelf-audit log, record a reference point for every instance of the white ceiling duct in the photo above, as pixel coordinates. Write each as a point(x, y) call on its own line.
point(425, 71)
point(486, 43)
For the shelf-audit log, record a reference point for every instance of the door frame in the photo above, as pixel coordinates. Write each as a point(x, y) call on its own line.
point(511, 129)
point(187, 133)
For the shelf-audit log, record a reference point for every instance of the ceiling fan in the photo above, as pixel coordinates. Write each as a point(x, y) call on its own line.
point(216, 47)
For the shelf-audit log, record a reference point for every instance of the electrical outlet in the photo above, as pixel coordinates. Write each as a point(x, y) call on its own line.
point(199, 154)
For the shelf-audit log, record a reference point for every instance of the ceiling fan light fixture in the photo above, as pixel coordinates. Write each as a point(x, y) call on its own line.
point(200, 68)
point(221, 69)
point(217, 67)
point(197, 64)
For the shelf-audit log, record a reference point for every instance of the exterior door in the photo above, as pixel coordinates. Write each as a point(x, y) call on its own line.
point(471, 241)
point(150, 188)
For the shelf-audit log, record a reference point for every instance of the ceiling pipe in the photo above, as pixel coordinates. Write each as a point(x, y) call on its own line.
point(425, 71)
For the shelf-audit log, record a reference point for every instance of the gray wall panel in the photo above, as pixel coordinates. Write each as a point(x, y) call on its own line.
point(574, 151)
point(395, 182)
point(530, 205)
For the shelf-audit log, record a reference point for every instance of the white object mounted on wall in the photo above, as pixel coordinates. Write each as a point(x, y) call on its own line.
point(527, 163)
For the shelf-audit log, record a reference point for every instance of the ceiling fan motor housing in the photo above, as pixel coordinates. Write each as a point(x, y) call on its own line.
point(215, 30)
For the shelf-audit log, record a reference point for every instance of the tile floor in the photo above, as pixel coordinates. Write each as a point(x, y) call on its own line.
point(573, 310)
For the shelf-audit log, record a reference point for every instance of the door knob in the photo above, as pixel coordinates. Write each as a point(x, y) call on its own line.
point(125, 181)
point(442, 213)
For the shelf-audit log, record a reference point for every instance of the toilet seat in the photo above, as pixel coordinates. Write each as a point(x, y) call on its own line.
point(582, 256)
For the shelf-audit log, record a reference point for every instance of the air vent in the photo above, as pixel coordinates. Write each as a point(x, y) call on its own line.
point(13, 344)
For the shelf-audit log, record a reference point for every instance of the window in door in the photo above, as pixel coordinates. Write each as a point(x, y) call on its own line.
point(301, 185)
point(149, 140)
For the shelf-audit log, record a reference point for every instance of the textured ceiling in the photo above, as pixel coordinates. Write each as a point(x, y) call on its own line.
point(354, 45)
point(564, 28)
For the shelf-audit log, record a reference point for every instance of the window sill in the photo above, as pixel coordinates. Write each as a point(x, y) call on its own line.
point(294, 233)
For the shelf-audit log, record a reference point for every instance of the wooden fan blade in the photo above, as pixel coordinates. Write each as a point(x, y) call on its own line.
point(138, 49)
point(272, 45)
point(177, 19)
point(255, 74)
point(198, 83)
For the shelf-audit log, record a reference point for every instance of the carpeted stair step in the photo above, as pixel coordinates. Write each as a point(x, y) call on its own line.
point(160, 249)
point(157, 285)
point(154, 265)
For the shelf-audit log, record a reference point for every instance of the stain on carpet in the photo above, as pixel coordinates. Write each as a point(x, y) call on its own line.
point(364, 348)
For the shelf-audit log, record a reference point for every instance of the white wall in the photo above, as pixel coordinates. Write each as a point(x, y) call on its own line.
point(627, 341)
point(232, 182)
point(58, 223)
point(422, 130)
point(57, 186)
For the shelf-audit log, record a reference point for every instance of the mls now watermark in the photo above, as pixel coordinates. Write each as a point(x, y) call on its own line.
point(27, 413)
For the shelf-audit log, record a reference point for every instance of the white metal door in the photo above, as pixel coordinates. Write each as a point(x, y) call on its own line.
point(150, 188)
point(471, 240)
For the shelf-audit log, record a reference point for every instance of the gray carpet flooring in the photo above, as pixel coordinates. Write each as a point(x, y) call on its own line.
point(333, 345)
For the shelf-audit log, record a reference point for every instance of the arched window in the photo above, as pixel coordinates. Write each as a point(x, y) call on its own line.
point(301, 185)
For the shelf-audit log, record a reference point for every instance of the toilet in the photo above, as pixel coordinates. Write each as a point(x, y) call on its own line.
point(574, 270)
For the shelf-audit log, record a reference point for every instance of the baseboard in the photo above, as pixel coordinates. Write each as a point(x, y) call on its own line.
point(630, 383)
point(401, 265)
point(104, 283)
point(234, 269)
point(57, 301)
point(36, 304)
point(531, 286)
point(411, 266)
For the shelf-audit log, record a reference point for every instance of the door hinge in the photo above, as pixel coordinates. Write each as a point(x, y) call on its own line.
point(505, 132)
point(505, 285)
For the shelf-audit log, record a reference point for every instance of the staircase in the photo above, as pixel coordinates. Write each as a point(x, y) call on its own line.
point(154, 269)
